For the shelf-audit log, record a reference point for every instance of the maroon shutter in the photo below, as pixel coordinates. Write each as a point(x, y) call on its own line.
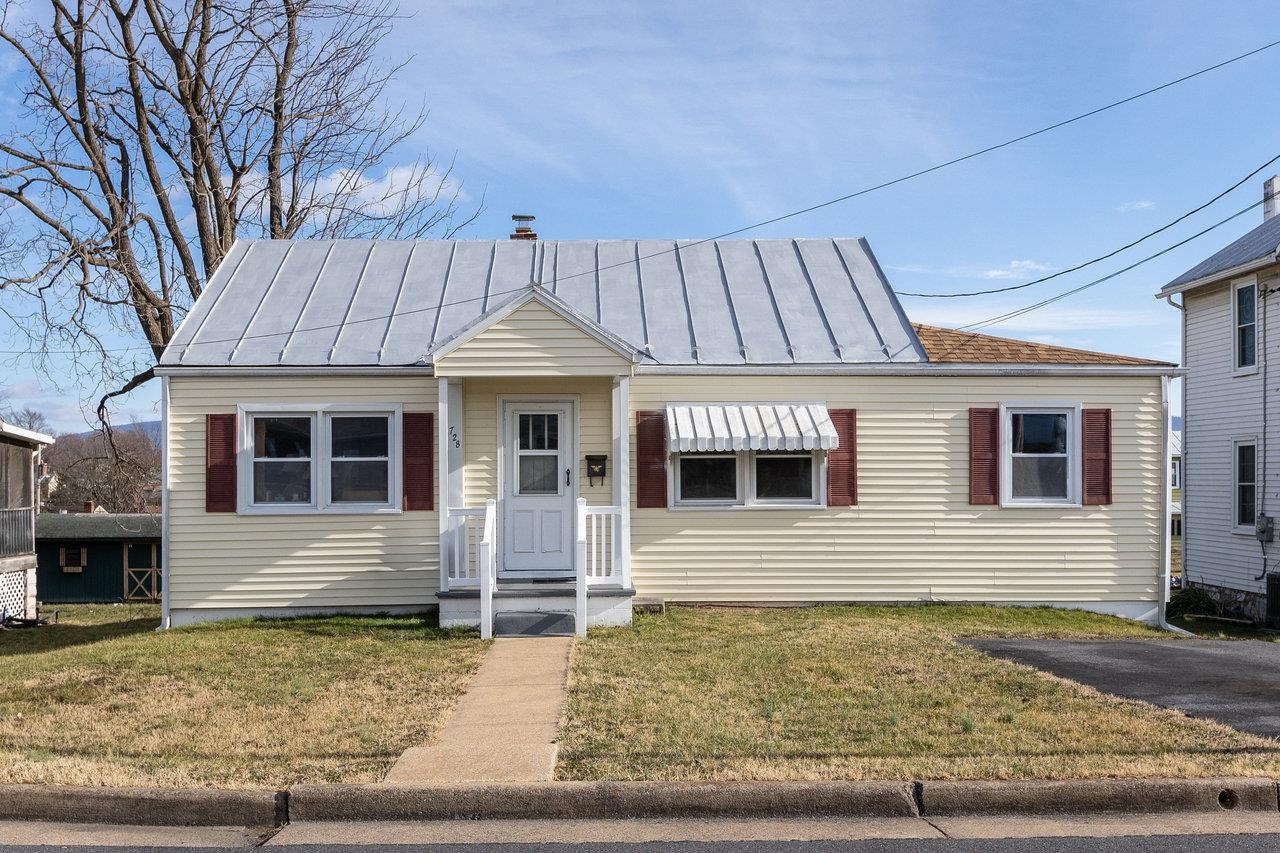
point(220, 463)
point(842, 463)
point(984, 456)
point(651, 459)
point(1097, 456)
point(419, 460)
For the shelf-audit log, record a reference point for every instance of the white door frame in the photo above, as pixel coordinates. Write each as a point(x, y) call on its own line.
point(573, 401)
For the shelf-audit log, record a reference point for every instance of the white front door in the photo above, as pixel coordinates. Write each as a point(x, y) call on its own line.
point(538, 488)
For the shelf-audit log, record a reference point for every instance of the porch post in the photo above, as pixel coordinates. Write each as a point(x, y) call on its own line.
point(622, 474)
point(442, 479)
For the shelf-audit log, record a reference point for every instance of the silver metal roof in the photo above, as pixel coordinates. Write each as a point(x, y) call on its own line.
point(389, 302)
point(750, 426)
point(1261, 242)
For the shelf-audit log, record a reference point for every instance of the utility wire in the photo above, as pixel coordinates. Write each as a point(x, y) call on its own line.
point(1100, 258)
point(811, 208)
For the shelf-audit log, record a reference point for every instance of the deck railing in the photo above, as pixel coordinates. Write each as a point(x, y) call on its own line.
point(460, 548)
point(604, 559)
point(17, 532)
point(488, 568)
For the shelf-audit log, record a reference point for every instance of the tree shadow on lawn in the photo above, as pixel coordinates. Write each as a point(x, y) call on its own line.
point(54, 636)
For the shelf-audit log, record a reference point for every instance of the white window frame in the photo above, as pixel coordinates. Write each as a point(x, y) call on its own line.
point(1236, 287)
point(1175, 474)
point(1075, 460)
point(1250, 441)
point(321, 456)
point(746, 482)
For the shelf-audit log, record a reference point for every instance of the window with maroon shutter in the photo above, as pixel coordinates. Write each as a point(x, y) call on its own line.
point(419, 460)
point(1096, 439)
point(842, 463)
point(651, 457)
point(220, 463)
point(984, 456)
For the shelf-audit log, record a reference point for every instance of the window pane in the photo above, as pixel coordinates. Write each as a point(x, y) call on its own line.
point(1039, 433)
point(539, 432)
point(1245, 353)
point(357, 437)
point(1040, 477)
point(1246, 465)
point(282, 438)
point(706, 478)
point(538, 475)
point(282, 482)
point(1244, 305)
point(784, 477)
point(1245, 505)
point(359, 482)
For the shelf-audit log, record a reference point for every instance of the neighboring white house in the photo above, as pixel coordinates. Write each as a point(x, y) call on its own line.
point(1229, 466)
point(553, 427)
point(19, 456)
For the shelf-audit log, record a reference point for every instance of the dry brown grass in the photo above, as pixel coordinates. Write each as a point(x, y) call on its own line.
point(103, 699)
point(866, 692)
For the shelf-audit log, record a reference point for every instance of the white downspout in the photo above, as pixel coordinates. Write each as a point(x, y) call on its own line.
point(165, 621)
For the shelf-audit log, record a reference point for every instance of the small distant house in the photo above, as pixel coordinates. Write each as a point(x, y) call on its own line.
point(1175, 483)
point(98, 557)
point(524, 427)
point(19, 456)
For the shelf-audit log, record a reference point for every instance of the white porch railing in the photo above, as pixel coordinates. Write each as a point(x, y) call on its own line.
point(488, 567)
point(605, 561)
point(460, 548)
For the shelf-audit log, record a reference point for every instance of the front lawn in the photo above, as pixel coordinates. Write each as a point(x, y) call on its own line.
point(867, 692)
point(103, 699)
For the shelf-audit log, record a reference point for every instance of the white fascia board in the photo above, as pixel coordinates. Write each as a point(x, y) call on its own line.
point(316, 370)
point(1221, 276)
point(552, 303)
point(24, 434)
point(911, 370)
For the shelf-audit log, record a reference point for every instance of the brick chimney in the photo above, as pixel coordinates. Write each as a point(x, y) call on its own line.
point(524, 227)
point(89, 506)
point(1270, 197)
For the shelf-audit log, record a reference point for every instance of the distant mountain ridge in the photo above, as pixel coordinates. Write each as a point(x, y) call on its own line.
point(151, 429)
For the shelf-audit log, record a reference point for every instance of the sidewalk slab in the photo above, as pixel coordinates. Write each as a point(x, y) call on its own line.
point(504, 728)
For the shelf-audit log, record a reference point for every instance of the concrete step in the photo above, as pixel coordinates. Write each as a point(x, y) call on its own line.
point(533, 623)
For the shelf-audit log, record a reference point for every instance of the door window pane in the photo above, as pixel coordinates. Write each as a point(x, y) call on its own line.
point(784, 477)
point(539, 431)
point(709, 478)
point(360, 437)
point(359, 482)
point(538, 474)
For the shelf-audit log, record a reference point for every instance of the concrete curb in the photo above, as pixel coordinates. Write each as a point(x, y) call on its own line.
point(143, 806)
point(586, 800)
point(1094, 796)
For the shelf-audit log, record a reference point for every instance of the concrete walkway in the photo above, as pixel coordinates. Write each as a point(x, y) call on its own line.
point(505, 726)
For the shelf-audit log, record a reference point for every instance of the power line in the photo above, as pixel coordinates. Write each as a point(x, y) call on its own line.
point(1009, 315)
point(811, 208)
point(1100, 258)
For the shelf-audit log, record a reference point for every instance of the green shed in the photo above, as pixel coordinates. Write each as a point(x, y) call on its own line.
point(84, 558)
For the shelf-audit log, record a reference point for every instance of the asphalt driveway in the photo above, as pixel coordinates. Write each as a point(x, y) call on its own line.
point(1236, 682)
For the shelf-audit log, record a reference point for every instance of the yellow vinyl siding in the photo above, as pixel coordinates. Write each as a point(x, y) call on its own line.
point(225, 560)
point(480, 432)
point(913, 534)
point(532, 341)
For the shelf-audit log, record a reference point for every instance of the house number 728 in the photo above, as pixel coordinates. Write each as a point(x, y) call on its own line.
point(453, 438)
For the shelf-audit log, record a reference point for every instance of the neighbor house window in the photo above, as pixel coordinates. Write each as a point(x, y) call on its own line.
point(1175, 474)
point(321, 459)
point(1246, 483)
point(1041, 450)
point(747, 479)
point(1245, 310)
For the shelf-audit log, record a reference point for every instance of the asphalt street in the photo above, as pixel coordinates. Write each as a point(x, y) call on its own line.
point(1162, 844)
point(1236, 682)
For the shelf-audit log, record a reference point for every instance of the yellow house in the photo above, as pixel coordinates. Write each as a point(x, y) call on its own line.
point(530, 434)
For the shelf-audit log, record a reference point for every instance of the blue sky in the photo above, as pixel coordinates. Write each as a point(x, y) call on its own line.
point(686, 120)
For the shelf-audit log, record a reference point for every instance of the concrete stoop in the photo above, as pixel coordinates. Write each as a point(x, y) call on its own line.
point(616, 800)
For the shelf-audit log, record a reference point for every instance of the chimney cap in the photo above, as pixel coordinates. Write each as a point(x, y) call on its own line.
point(522, 217)
point(523, 228)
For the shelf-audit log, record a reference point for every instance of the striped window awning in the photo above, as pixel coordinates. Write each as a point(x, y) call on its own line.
point(750, 426)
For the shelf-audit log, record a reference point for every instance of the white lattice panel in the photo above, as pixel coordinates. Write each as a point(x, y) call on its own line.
point(13, 593)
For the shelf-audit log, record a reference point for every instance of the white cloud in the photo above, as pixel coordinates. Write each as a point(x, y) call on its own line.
point(1012, 271)
point(1130, 206)
point(1015, 270)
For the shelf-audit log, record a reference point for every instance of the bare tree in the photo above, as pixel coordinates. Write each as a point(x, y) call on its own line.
point(156, 132)
point(120, 473)
point(28, 418)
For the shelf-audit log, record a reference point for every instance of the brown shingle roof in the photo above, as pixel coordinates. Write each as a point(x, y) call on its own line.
point(948, 346)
